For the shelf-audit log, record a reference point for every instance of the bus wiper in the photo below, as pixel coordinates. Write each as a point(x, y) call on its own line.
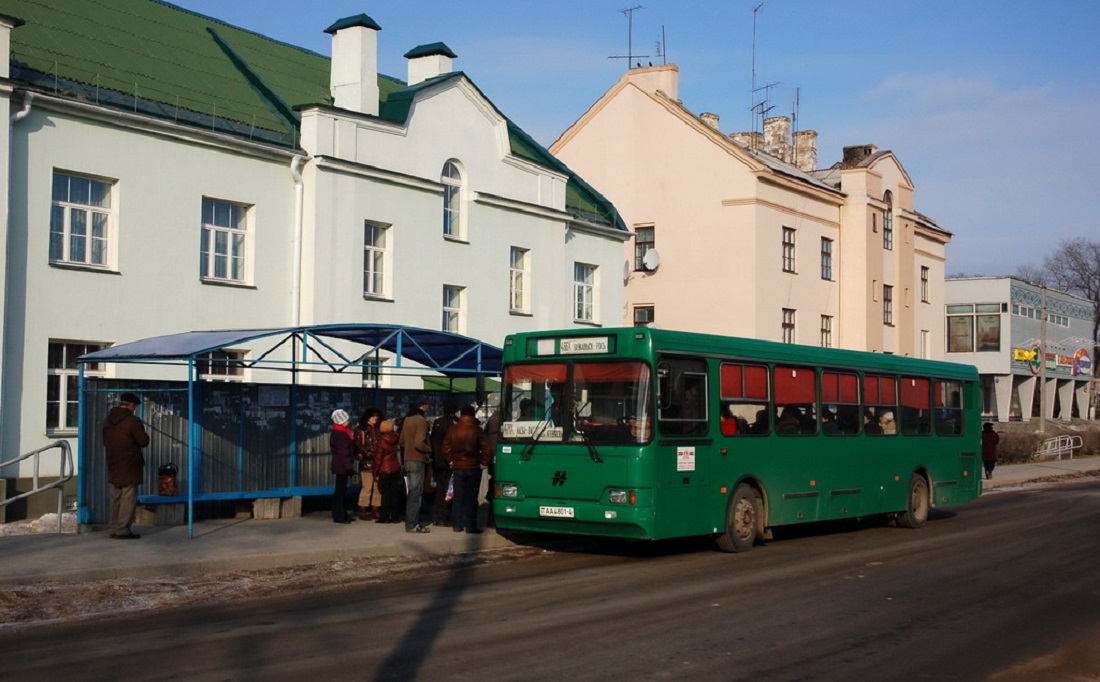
point(587, 441)
point(591, 447)
point(527, 449)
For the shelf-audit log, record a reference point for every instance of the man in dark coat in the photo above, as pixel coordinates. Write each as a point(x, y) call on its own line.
point(123, 437)
point(466, 448)
point(441, 470)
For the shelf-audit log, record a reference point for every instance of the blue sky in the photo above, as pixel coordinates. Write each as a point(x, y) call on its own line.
point(992, 107)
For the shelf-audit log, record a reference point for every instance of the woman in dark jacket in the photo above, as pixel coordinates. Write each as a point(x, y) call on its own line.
point(342, 444)
point(467, 450)
point(387, 473)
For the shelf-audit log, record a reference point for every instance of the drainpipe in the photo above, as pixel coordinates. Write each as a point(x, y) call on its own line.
point(15, 117)
point(28, 97)
point(299, 192)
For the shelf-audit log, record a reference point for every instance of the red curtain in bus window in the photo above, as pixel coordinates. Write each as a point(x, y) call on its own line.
point(795, 385)
point(839, 388)
point(879, 390)
point(756, 382)
point(914, 393)
point(732, 381)
point(592, 372)
point(517, 373)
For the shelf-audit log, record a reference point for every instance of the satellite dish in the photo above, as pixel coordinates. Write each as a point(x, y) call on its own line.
point(651, 260)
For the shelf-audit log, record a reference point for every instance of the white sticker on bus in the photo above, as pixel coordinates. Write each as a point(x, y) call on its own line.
point(685, 459)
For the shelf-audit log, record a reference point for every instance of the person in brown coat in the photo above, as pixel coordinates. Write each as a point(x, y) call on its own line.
point(123, 437)
point(466, 448)
point(989, 449)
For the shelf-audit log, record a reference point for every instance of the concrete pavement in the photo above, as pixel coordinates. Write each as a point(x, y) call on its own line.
point(250, 544)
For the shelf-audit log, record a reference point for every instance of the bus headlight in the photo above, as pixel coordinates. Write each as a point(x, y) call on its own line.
point(617, 497)
point(509, 490)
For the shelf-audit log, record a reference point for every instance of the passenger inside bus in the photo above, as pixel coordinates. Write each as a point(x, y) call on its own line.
point(870, 423)
point(790, 421)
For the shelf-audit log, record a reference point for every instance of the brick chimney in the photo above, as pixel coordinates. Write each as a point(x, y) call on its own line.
point(710, 119)
point(353, 75)
point(805, 150)
point(429, 61)
point(858, 152)
point(777, 137)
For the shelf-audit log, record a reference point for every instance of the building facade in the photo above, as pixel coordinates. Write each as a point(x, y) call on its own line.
point(1009, 328)
point(169, 172)
point(753, 239)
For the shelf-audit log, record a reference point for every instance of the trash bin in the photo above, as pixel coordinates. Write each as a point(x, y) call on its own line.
point(166, 485)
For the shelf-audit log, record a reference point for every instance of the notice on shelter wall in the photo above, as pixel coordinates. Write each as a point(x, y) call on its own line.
point(685, 459)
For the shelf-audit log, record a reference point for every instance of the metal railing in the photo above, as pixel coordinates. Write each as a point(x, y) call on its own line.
point(1054, 448)
point(67, 472)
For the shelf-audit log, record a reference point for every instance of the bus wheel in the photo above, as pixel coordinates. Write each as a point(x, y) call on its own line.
point(742, 521)
point(916, 504)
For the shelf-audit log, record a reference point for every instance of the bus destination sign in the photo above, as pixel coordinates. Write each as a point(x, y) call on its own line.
point(587, 344)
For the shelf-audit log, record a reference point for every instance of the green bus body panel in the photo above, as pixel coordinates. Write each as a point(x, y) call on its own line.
point(802, 478)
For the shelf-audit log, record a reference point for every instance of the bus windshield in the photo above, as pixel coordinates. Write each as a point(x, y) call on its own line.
point(595, 402)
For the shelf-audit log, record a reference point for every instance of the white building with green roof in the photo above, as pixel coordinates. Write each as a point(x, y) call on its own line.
point(169, 172)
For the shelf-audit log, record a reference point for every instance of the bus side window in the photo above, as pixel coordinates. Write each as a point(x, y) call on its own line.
point(744, 391)
point(683, 399)
point(795, 401)
point(948, 414)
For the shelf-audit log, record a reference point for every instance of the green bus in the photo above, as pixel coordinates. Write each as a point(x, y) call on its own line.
point(651, 434)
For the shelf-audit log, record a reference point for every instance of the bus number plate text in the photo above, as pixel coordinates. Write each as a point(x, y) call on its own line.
point(557, 512)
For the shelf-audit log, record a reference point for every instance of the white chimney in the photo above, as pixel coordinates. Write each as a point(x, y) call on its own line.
point(353, 78)
point(429, 61)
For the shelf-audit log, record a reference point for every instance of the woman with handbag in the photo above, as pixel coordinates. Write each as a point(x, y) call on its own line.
point(366, 439)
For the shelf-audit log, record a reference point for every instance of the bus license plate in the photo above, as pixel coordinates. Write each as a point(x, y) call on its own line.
point(559, 512)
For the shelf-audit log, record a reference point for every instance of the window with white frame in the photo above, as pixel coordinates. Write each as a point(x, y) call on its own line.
point(643, 315)
point(518, 277)
point(81, 220)
point(826, 331)
point(888, 222)
point(63, 382)
point(974, 327)
point(453, 319)
point(584, 292)
point(372, 370)
point(643, 242)
point(826, 258)
point(221, 365)
point(887, 304)
point(452, 200)
point(788, 325)
point(788, 249)
point(375, 240)
point(224, 244)
point(924, 283)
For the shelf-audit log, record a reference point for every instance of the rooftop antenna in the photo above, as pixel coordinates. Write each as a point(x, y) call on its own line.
point(629, 56)
point(661, 51)
point(752, 90)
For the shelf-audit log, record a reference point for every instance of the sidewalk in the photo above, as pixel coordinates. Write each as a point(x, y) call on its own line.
point(250, 544)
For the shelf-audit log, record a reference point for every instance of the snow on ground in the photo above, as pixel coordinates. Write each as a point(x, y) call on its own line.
point(45, 524)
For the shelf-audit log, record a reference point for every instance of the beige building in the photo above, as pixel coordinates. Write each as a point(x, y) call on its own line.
point(751, 239)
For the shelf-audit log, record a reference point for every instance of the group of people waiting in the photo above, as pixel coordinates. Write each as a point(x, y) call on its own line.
point(394, 457)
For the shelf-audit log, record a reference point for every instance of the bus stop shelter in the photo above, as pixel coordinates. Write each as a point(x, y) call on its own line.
point(266, 437)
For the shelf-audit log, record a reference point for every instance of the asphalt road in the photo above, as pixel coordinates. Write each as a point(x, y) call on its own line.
point(1004, 588)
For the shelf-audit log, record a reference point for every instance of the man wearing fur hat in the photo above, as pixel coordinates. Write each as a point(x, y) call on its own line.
point(123, 437)
point(342, 444)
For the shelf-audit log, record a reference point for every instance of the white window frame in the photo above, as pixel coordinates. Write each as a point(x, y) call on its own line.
point(373, 370)
point(826, 331)
point(224, 364)
point(64, 382)
point(238, 246)
point(826, 259)
point(376, 259)
point(789, 253)
point(453, 179)
point(454, 314)
point(789, 325)
point(644, 315)
point(65, 209)
point(519, 280)
point(585, 287)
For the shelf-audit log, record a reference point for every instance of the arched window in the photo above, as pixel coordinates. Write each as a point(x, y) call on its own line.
point(888, 221)
point(452, 200)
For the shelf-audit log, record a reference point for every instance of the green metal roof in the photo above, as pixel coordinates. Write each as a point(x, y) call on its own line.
point(155, 58)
